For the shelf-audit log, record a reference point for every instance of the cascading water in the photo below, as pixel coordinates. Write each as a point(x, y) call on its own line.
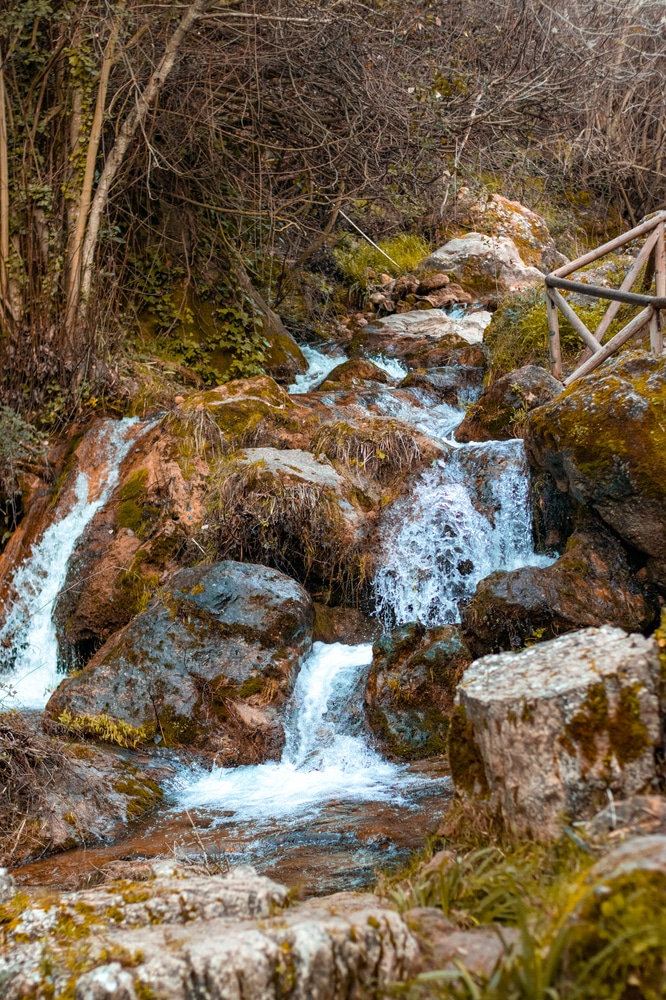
point(319, 365)
point(325, 756)
point(28, 646)
point(466, 517)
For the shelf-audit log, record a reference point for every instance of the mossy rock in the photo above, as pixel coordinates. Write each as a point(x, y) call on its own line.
point(604, 440)
point(411, 687)
point(500, 413)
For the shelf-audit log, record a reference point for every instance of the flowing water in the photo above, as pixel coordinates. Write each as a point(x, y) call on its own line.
point(28, 646)
point(332, 809)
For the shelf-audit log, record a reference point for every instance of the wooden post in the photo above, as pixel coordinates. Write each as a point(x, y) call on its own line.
point(629, 331)
point(656, 335)
point(575, 320)
point(554, 347)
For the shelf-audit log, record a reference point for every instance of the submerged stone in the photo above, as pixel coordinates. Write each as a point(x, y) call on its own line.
point(544, 734)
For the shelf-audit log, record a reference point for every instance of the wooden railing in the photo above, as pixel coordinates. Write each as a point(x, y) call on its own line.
point(653, 257)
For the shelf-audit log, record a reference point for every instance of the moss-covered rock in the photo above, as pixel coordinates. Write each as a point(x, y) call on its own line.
point(604, 440)
point(592, 583)
point(210, 663)
point(500, 413)
point(411, 686)
point(554, 727)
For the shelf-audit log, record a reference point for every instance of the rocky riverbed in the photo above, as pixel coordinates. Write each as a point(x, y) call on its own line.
point(314, 626)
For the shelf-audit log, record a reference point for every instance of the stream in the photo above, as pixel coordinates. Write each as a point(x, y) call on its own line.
point(332, 811)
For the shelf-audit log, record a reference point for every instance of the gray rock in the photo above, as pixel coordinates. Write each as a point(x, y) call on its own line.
point(229, 939)
point(210, 662)
point(543, 734)
point(501, 411)
point(433, 324)
point(483, 265)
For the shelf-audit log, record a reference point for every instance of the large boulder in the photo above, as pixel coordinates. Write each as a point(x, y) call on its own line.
point(457, 385)
point(411, 686)
point(592, 583)
point(500, 413)
point(485, 266)
point(496, 215)
point(542, 735)
point(352, 373)
point(183, 935)
point(604, 440)
point(209, 663)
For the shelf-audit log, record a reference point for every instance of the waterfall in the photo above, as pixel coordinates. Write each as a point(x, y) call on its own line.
point(325, 756)
point(28, 646)
point(319, 366)
point(467, 516)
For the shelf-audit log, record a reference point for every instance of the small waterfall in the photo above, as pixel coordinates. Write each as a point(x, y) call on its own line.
point(466, 517)
point(28, 647)
point(325, 756)
point(319, 366)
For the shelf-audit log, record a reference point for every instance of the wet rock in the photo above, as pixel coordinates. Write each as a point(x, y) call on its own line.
point(502, 409)
point(452, 384)
point(411, 686)
point(342, 624)
point(284, 358)
point(424, 339)
point(591, 584)
point(210, 663)
point(228, 936)
point(354, 372)
point(485, 266)
point(604, 440)
point(136, 538)
point(543, 734)
point(498, 216)
point(555, 514)
point(58, 795)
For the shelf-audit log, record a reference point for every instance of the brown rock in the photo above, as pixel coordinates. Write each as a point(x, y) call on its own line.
point(351, 373)
point(592, 583)
point(501, 411)
point(432, 283)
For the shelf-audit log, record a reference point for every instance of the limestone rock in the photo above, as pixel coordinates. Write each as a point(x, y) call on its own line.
point(542, 734)
point(486, 266)
point(210, 662)
point(498, 216)
point(434, 325)
point(501, 411)
point(592, 583)
point(411, 686)
point(182, 937)
point(604, 440)
point(445, 947)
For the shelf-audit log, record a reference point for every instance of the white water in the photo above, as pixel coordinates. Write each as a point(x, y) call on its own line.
point(466, 517)
point(319, 366)
point(392, 366)
point(32, 650)
point(325, 757)
point(416, 408)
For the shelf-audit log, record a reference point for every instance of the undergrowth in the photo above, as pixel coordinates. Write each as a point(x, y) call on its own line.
point(103, 727)
point(358, 261)
point(298, 528)
point(564, 933)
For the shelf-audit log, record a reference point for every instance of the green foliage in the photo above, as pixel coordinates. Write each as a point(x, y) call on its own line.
point(358, 260)
point(518, 334)
point(216, 333)
point(20, 445)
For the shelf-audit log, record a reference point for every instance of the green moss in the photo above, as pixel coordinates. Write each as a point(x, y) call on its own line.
point(143, 793)
point(103, 727)
point(252, 685)
point(359, 261)
point(133, 511)
point(624, 730)
point(465, 760)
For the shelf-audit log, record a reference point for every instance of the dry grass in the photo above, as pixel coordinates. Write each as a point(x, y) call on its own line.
point(296, 527)
point(29, 761)
point(379, 449)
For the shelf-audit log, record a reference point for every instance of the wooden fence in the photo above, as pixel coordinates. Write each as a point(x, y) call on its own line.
point(653, 257)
